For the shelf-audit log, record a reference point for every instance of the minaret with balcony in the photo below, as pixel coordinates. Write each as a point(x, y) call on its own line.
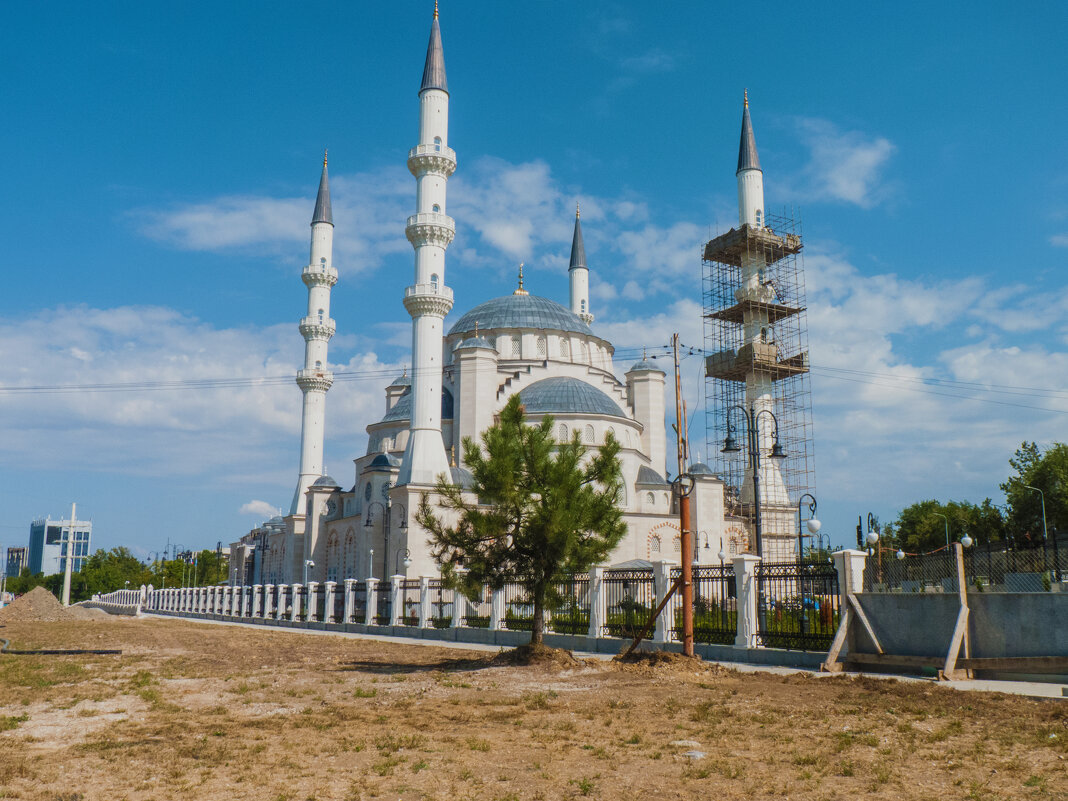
point(578, 275)
point(428, 300)
point(317, 328)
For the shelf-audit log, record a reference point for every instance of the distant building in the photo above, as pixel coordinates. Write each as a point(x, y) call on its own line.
point(48, 544)
point(16, 560)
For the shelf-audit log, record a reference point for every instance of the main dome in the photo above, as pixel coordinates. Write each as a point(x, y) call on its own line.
point(564, 395)
point(520, 311)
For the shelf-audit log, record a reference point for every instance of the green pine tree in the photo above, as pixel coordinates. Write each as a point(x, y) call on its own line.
point(543, 509)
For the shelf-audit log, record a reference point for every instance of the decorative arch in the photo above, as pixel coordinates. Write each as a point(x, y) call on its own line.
point(662, 532)
point(350, 554)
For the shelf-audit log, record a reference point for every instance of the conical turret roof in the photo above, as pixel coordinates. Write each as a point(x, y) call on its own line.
point(747, 151)
point(578, 250)
point(323, 212)
point(434, 69)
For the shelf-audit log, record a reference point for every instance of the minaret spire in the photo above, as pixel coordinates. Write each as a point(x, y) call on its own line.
point(314, 379)
point(579, 274)
point(750, 176)
point(428, 300)
point(747, 150)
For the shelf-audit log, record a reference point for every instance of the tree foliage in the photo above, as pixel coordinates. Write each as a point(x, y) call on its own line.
point(1049, 473)
point(543, 509)
point(919, 528)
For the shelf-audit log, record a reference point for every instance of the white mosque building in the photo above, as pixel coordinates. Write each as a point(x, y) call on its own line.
point(547, 352)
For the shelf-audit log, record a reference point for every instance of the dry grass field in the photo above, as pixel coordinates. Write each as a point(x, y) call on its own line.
point(218, 712)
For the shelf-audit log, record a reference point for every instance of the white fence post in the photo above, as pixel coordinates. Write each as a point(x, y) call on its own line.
point(371, 609)
point(745, 580)
point(294, 605)
point(424, 603)
point(661, 585)
point(396, 600)
point(349, 601)
point(329, 588)
point(496, 610)
point(311, 603)
point(257, 603)
point(598, 602)
point(280, 607)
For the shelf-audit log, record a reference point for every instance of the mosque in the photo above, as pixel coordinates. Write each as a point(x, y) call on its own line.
point(547, 352)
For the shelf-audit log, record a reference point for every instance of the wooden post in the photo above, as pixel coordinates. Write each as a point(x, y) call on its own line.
point(686, 537)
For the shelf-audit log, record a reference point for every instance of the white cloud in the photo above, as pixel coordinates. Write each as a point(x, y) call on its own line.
point(260, 509)
point(1059, 240)
point(844, 165)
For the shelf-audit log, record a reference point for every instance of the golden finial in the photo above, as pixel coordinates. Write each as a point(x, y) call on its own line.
point(435, 9)
point(476, 328)
point(520, 291)
point(576, 210)
point(325, 152)
point(746, 98)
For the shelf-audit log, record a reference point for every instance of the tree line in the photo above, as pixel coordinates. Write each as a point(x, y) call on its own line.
point(1036, 475)
point(115, 569)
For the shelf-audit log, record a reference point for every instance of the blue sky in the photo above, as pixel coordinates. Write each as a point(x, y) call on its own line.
point(160, 169)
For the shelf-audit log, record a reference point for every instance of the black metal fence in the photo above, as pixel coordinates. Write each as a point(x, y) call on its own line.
point(410, 598)
point(384, 603)
point(797, 605)
point(478, 610)
point(518, 607)
point(442, 604)
point(630, 597)
point(715, 605)
point(569, 607)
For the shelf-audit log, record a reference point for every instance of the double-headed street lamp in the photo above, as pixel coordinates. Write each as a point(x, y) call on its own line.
point(937, 514)
point(813, 524)
point(386, 513)
point(730, 445)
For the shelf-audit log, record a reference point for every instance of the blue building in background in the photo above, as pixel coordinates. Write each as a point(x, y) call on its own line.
point(48, 544)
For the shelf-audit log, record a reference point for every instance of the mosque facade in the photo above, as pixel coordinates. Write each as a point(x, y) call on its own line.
point(548, 353)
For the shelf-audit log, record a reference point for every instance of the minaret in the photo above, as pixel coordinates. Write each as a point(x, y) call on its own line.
point(579, 275)
point(317, 328)
point(428, 300)
point(754, 296)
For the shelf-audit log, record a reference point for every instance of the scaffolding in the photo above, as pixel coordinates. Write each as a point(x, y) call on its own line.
point(780, 352)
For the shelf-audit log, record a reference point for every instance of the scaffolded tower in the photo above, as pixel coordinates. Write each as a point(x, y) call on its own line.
point(756, 338)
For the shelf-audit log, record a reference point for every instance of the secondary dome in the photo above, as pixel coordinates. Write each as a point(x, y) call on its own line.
point(402, 409)
point(520, 311)
point(564, 395)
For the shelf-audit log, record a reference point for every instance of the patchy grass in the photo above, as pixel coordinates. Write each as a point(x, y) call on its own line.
point(241, 713)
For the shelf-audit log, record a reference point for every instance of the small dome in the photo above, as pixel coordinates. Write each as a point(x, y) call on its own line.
point(563, 395)
point(402, 381)
point(326, 481)
point(462, 477)
point(384, 461)
point(644, 366)
point(520, 311)
point(476, 342)
point(646, 475)
point(700, 469)
point(276, 520)
point(402, 409)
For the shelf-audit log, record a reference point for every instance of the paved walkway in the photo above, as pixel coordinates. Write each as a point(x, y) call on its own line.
point(1033, 689)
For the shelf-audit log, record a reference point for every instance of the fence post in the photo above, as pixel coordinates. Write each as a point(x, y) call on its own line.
point(850, 567)
point(294, 602)
point(745, 581)
point(328, 601)
point(348, 600)
point(257, 600)
point(661, 585)
point(396, 600)
point(268, 601)
point(459, 609)
point(598, 602)
point(424, 602)
point(371, 608)
point(311, 601)
point(496, 610)
point(280, 603)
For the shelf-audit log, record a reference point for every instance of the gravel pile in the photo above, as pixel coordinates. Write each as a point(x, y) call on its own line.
point(41, 606)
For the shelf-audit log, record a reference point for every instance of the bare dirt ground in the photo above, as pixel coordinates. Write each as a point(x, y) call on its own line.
point(193, 711)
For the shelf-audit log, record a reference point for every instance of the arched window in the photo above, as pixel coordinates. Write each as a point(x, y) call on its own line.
point(611, 431)
point(437, 143)
point(321, 314)
point(586, 352)
point(565, 348)
point(542, 347)
point(587, 434)
point(516, 347)
point(583, 306)
point(676, 545)
point(318, 365)
point(437, 209)
point(759, 218)
point(654, 545)
point(434, 281)
point(561, 432)
point(650, 498)
point(322, 262)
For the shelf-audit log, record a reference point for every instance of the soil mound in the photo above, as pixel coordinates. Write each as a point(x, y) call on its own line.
point(41, 606)
point(538, 656)
point(664, 661)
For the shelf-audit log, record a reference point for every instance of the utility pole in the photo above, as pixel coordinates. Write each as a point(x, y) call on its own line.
point(684, 511)
point(69, 567)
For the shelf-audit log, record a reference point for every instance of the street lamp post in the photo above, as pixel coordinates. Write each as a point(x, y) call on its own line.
point(936, 514)
point(730, 445)
point(1045, 535)
point(387, 513)
point(407, 560)
point(307, 563)
point(814, 525)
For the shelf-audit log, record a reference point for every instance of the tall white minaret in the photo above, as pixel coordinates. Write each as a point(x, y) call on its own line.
point(755, 294)
point(578, 275)
point(428, 300)
point(317, 328)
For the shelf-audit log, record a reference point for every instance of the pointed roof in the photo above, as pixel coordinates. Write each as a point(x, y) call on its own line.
point(578, 250)
point(747, 152)
point(434, 69)
point(323, 212)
